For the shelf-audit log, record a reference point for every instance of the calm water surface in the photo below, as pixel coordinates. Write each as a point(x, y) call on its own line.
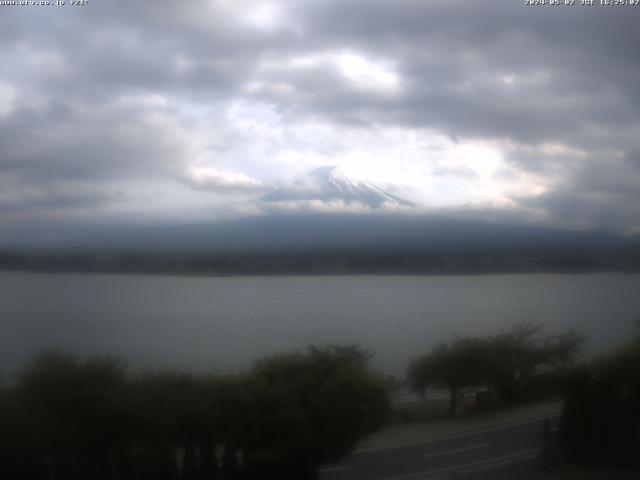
point(225, 323)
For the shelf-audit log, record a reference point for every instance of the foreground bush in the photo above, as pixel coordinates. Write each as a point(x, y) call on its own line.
point(601, 417)
point(68, 418)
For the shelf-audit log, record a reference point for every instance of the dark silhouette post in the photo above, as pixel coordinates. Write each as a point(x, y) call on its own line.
point(219, 451)
point(197, 451)
point(239, 458)
point(546, 430)
point(179, 456)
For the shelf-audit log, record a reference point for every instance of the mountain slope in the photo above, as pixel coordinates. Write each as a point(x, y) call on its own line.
point(329, 184)
point(334, 243)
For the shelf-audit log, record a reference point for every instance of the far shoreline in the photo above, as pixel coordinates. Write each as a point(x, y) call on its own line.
point(316, 274)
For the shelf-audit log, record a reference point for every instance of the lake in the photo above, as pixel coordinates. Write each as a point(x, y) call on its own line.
point(223, 323)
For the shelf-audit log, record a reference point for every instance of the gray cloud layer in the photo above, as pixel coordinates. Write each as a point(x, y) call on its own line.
point(107, 103)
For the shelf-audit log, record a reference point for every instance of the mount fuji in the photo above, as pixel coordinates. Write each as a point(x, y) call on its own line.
point(330, 184)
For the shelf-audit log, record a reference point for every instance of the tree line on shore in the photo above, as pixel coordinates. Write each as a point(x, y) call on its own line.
point(513, 365)
point(600, 420)
point(71, 418)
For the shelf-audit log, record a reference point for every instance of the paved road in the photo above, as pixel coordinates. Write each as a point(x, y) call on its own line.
point(464, 453)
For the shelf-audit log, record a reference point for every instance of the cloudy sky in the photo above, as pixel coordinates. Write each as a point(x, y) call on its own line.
point(168, 111)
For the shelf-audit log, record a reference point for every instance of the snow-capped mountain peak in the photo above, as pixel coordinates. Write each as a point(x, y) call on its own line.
point(330, 184)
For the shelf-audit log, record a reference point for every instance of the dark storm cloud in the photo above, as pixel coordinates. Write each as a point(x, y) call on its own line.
point(572, 69)
point(61, 142)
point(555, 86)
point(52, 199)
point(81, 78)
point(601, 191)
point(65, 160)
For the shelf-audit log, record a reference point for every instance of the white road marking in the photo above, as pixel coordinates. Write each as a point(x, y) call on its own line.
point(456, 450)
point(499, 461)
point(493, 429)
point(469, 467)
point(333, 469)
point(457, 435)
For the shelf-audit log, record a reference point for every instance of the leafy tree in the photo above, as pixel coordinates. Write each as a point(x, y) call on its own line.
point(600, 421)
point(8, 427)
point(173, 412)
point(169, 407)
point(521, 353)
point(462, 365)
point(73, 411)
point(506, 362)
point(314, 406)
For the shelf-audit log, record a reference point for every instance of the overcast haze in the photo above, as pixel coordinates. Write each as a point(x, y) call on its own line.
point(178, 112)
